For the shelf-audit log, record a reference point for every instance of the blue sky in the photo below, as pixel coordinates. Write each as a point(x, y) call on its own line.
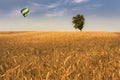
point(56, 15)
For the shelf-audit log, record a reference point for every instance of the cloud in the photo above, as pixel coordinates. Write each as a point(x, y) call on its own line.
point(53, 5)
point(94, 6)
point(35, 7)
point(48, 10)
point(79, 1)
point(74, 1)
point(97, 5)
point(56, 13)
point(34, 4)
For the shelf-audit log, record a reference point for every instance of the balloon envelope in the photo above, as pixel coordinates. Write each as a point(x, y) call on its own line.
point(24, 12)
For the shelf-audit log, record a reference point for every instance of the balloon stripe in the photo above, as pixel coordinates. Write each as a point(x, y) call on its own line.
point(24, 11)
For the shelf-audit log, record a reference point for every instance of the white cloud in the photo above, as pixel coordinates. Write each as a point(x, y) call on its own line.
point(35, 7)
point(53, 5)
point(97, 5)
point(56, 13)
point(94, 6)
point(34, 4)
point(74, 1)
point(79, 1)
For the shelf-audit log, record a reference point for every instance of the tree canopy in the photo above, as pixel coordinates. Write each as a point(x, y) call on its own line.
point(78, 21)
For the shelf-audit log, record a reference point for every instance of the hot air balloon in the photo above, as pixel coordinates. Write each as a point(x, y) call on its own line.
point(24, 12)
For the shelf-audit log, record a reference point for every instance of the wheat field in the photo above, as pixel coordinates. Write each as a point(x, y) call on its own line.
point(59, 56)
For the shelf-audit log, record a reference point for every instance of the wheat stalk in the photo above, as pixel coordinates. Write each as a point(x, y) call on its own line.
point(67, 59)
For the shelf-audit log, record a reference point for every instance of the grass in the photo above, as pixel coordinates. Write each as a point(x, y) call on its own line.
point(60, 56)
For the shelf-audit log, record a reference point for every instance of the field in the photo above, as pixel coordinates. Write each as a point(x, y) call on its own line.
point(59, 56)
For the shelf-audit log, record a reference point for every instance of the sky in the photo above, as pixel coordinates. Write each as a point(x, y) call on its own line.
point(56, 15)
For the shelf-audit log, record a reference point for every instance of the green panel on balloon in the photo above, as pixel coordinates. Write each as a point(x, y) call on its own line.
point(24, 12)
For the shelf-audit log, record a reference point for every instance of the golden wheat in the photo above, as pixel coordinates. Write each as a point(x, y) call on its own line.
point(60, 56)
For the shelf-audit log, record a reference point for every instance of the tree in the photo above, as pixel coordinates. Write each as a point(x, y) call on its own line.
point(78, 21)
